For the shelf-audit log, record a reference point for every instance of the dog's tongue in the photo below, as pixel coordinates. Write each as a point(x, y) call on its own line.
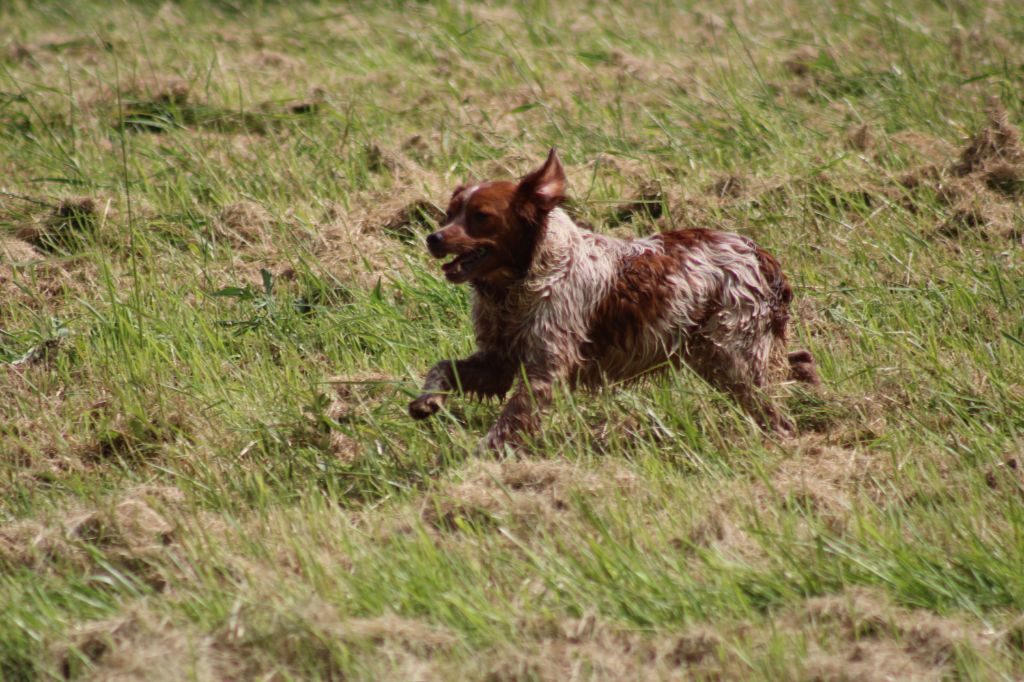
point(450, 265)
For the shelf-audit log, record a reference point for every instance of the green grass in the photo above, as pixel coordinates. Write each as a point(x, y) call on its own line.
point(206, 467)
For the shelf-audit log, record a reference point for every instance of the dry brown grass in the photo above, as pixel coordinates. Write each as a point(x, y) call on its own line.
point(133, 532)
point(981, 188)
point(140, 645)
point(520, 494)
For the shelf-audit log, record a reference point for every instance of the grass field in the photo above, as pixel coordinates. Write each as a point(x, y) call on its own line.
point(215, 306)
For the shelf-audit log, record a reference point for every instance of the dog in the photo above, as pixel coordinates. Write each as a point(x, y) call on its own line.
point(554, 302)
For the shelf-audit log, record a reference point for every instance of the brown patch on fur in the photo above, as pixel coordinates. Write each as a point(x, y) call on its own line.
point(639, 291)
point(524, 494)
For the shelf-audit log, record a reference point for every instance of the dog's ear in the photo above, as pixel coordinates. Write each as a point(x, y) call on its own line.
point(544, 187)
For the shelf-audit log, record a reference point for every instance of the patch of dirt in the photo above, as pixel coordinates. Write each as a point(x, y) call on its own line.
point(411, 222)
point(982, 188)
point(359, 243)
point(841, 418)
point(646, 203)
point(799, 62)
point(854, 636)
point(46, 282)
point(381, 159)
point(328, 418)
point(50, 47)
point(827, 481)
point(129, 437)
point(244, 224)
point(522, 494)
point(822, 191)
point(1008, 475)
point(66, 227)
point(275, 61)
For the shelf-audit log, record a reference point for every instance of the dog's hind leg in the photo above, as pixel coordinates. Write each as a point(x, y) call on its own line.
point(521, 415)
point(743, 377)
point(481, 374)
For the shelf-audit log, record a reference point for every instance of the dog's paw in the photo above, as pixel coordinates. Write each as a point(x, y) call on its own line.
point(496, 444)
point(425, 406)
point(491, 444)
point(802, 368)
point(784, 427)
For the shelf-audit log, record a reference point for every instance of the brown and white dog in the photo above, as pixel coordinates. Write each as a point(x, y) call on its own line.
point(553, 302)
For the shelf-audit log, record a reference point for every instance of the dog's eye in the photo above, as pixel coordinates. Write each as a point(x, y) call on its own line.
point(479, 217)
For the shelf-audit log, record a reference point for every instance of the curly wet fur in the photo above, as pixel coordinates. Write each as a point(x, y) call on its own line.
point(588, 309)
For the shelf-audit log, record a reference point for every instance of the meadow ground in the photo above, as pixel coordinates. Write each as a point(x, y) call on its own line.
point(214, 307)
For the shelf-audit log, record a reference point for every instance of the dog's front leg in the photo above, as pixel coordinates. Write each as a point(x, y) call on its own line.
point(483, 374)
point(522, 412)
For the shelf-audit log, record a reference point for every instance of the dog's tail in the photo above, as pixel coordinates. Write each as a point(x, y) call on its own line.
point(801, 363)
point(782, 294)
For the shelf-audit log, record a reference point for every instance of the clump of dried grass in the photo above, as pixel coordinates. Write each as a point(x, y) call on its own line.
point(130, 533)
point(409, 223)
point(263, 638)
point(65, 227)
point(244, 224)
point(731, 186)
point(140, 645)
point(998, 142)
point(563, 649)
point(981, 188)
point(869, 639)
point(523, 494)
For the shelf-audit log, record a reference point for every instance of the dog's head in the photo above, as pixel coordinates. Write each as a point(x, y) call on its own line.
point(492, 228)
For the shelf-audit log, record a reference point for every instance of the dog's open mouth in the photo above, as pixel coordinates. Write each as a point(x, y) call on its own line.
point(462, 265)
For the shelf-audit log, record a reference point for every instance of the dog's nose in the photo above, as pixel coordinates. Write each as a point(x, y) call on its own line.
point(434, 239)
